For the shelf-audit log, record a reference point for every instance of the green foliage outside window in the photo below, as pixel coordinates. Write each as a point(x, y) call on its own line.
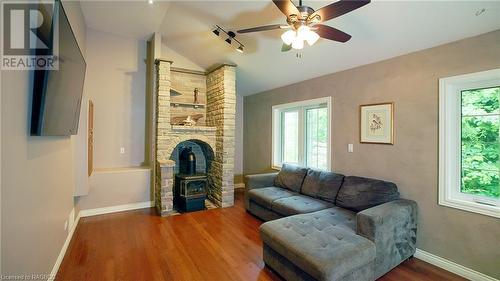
point(481, 142)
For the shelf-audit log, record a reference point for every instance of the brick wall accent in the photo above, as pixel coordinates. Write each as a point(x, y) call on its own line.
point(221, 108)
point(218, 136)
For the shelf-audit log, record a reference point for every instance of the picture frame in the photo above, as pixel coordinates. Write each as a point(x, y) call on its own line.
point(376, 123)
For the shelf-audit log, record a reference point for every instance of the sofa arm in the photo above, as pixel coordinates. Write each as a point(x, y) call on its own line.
point(392, 226)
point(258, 181)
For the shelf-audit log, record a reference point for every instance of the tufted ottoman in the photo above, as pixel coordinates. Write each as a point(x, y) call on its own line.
point(318, 246)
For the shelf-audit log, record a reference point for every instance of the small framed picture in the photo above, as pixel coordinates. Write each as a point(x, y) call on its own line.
point(376, 123)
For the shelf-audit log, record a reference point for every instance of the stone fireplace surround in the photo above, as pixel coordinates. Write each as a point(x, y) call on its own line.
point(217, 136)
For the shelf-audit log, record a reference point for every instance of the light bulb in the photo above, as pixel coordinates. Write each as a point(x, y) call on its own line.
point(298, 43)
point(311, 37)
point(303, 31)
point(288, 37)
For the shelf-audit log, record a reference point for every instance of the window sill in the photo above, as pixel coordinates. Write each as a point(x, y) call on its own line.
point(277, 168)
point(478, 208)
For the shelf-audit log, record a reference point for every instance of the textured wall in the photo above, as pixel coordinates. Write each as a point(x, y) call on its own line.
point(411, 81)
point(185, 83)
point(221, 109)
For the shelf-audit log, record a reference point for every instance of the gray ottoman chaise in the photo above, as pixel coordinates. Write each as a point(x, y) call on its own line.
point(324, 226)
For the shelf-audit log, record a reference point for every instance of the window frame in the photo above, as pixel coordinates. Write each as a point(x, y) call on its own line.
point(450, 142)
point(277, 130)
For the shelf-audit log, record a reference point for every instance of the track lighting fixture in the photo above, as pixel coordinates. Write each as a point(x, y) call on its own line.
point(230, 37)
point(216, 31)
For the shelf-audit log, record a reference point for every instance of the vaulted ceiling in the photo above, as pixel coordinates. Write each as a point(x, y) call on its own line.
point(380, 30)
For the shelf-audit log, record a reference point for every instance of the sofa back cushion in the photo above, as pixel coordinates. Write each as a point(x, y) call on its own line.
point(359, 193)
point(322, 185)
point(290, 177)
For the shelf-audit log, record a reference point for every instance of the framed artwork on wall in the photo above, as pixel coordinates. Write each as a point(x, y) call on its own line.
point(376, 123)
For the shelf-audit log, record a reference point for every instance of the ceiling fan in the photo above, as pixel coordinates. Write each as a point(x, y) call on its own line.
point(304, 24)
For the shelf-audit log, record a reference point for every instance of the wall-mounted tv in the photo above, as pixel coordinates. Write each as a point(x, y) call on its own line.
point(57, 94)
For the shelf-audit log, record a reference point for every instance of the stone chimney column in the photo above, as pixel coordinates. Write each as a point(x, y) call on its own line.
point(221, 108)
point(164, 167)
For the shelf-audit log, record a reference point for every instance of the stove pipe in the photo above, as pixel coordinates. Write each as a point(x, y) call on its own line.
point(187, 159)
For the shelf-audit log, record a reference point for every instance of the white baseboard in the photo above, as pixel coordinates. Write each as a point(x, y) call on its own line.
point(239, 185)
point(60, 258)
point(114, 209)
point(452, 267)
point(88, 213)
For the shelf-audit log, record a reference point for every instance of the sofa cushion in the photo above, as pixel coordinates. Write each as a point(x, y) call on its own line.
point(290, 177)
point(265, 196)
point(359, 193)
point(321, 184)
point(299, 204)
point(323, 244)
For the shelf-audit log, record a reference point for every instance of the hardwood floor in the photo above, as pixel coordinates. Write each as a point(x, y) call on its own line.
point(218, 244)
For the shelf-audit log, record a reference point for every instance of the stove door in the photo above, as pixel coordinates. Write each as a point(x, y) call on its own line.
point(195, 188)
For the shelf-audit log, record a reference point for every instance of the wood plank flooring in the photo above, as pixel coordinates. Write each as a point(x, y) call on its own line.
point(218, 244)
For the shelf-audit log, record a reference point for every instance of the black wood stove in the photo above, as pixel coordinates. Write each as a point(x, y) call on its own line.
point(190, 187)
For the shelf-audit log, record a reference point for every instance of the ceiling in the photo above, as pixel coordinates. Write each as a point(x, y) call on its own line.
point(380, 30)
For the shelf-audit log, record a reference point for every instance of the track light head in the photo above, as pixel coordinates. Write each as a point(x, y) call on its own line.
point(231, 36)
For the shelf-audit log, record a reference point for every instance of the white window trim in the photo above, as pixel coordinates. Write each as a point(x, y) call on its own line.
point(450, 143)
point(276, 127)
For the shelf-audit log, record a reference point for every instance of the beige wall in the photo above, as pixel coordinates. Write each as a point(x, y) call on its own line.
point(116, 82)
point(79, 141)
point(238, 140)
point(411, 81)
point(178, 60)
point(37, 177)
point(113, 187)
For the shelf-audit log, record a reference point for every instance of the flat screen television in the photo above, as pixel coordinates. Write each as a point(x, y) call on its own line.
point(57, 94)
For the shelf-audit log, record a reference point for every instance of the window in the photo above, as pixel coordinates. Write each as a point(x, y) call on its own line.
point(301, 134)
point(469, 133)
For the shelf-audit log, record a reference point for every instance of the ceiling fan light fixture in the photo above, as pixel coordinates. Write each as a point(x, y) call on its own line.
point(303, 31)
point(289, 37)
point(298, 44)
point(216, 31)
point(240, 49)
point(228, 40)
point(312, 37)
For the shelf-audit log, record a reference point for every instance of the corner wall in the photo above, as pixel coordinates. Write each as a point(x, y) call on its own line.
point(37, 176)
point(411, 81)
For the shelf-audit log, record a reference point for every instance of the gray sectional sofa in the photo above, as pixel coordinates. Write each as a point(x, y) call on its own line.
point(327, 226)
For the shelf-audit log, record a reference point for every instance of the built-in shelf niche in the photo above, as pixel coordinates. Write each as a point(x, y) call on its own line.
point(182, 100)
point(175, 93)
point(194, 105)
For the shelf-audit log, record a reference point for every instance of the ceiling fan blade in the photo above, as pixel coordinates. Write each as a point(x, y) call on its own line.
point(262, 28)
point(286, 48)
point(287, 7)
point(331, 33)
point(337, 9)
